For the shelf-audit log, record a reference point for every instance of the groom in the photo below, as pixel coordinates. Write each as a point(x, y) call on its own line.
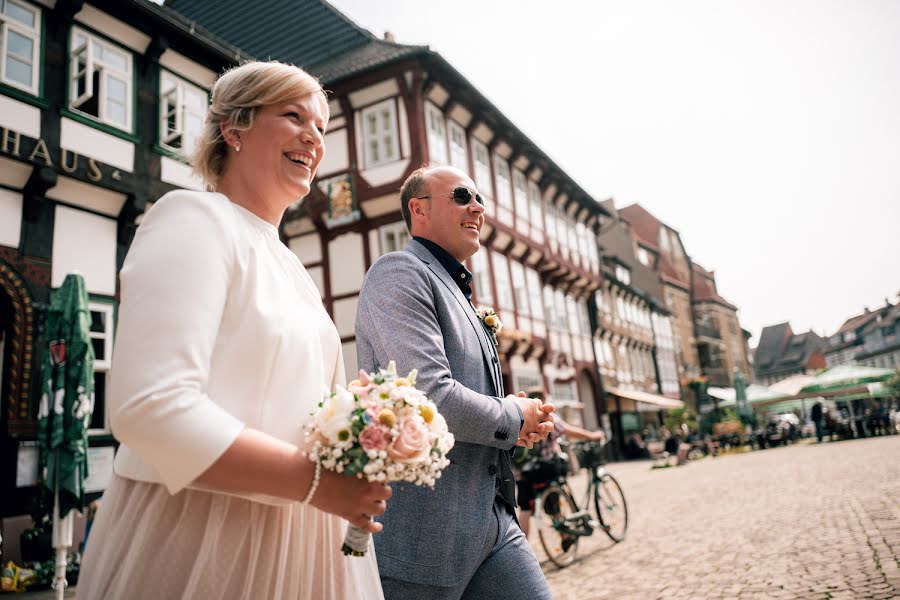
point(459, 540)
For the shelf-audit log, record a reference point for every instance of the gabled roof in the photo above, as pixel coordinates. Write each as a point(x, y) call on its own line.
point(781, 350)
point(646, 228)
point(618, 245)
point(772, 342)
point(888, 316)
point(703, 287)
point(857, 322)
point(302, 32)
point(316, 36)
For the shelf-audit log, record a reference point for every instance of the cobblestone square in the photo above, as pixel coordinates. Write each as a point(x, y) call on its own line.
point(805, 521)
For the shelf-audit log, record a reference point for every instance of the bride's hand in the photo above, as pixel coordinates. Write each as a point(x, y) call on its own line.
point(353, 499)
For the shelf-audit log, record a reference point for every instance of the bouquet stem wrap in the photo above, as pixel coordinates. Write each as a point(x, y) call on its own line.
point(356, 542)
point(382, 429)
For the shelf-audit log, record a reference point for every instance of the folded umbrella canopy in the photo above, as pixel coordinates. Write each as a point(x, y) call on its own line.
point(67, 402)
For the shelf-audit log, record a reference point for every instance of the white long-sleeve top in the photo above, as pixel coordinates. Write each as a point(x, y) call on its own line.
point(220, 328)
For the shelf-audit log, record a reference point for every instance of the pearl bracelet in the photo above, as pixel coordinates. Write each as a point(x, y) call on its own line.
point(314, 485)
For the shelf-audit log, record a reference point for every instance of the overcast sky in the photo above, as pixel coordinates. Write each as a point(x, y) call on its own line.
point(767, 132)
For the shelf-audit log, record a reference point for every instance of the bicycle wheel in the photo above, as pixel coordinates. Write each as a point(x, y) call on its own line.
point(556, 504)
point(612, 511)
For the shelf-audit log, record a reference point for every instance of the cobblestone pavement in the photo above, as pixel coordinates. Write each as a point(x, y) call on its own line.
point(807, 521)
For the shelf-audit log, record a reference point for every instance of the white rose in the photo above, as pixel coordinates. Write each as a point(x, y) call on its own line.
point(334, 416)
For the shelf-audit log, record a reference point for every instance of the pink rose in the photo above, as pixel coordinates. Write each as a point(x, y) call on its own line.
point(412, 442)
point(374, 437)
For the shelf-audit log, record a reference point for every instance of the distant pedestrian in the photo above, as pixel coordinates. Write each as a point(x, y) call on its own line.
point(818, 420)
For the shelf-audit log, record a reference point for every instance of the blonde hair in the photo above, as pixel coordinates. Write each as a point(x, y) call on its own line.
point(237, 95)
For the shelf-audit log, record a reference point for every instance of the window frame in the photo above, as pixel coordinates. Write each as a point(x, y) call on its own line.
point(393, 131)
point(181, 107)
point(481, 277)
point(103, 366)
point(106, 70)
point(459, 154)
point(482, 169)
point(521, 203)
point(399, 231)
point(437, 140)
point(34, 34)
point(503, 282)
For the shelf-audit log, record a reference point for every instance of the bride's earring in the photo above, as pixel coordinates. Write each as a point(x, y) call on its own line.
point(237, 147)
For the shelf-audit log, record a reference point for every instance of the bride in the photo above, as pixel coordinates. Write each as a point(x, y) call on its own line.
point(223, 349)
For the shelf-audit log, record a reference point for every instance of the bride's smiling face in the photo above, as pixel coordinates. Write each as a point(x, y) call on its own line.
point(282, 150)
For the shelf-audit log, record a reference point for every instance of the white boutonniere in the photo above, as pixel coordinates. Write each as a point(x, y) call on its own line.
point(491, 322)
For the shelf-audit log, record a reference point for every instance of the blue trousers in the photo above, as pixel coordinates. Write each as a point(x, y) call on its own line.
point(508, 570)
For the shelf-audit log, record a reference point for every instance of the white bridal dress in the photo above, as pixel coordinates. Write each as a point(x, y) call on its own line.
point(220, 328)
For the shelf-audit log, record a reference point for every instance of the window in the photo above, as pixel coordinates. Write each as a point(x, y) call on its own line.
point(182, 108)
point(620, 308)
point(20, 35)
point(482, 278)
point(437, 134)
point(533, 281)
point(562, 323)
point(519, 288)
point(643, 256)
point(563, 393)
point(520, 193)
point(537, 216)
point(550, 224)
point(664, 240)
point(458, 156)
point(501, 280)
point(101, 340)
point(482, 169)
point(550, 307)
point(504, 195)
point(623, 274)
point(527, 381)
point(393, 237)
point(583, 318)
point(380, 133)
point(572, 313)
point(562, 229)
point(100, 80)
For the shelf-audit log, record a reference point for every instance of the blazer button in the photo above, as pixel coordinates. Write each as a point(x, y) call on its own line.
point(492, 470)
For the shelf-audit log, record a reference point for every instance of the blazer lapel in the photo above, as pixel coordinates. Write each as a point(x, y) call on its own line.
point(422, 253)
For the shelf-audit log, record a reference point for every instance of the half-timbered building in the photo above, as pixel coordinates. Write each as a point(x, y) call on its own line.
point(99, 102)
point(395, 107)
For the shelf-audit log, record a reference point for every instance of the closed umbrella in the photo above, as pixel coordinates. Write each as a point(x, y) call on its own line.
point(67, 402)
point(740, 393)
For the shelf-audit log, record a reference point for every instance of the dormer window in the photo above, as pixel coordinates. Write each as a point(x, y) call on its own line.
point(623, 274)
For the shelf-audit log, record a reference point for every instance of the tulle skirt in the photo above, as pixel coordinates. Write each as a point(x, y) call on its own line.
point(146, 543)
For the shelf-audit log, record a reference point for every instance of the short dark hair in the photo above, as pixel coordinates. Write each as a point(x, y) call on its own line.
point(415, 186)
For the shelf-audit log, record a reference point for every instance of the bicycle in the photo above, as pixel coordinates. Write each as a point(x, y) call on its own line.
point(561, 522)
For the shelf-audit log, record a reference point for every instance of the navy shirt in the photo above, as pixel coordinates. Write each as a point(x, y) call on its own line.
point(456, 269)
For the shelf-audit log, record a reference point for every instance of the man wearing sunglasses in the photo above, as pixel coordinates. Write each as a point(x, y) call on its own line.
point(461, 539)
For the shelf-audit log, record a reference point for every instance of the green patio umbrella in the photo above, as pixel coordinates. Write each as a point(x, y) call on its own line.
point(740, 393)
point(846, 376)
point(67, 402)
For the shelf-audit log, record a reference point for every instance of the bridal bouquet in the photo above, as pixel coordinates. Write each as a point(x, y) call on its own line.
point(380, 428)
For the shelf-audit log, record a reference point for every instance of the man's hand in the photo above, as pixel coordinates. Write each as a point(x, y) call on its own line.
point(538, 420)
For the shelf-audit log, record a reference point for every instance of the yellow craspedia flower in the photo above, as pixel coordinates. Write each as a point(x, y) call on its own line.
point(427, 411)
point(402, 382)
point(387, 417)
point(490, 320)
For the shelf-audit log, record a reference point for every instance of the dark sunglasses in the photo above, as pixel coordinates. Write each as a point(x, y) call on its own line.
point(462, 196)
